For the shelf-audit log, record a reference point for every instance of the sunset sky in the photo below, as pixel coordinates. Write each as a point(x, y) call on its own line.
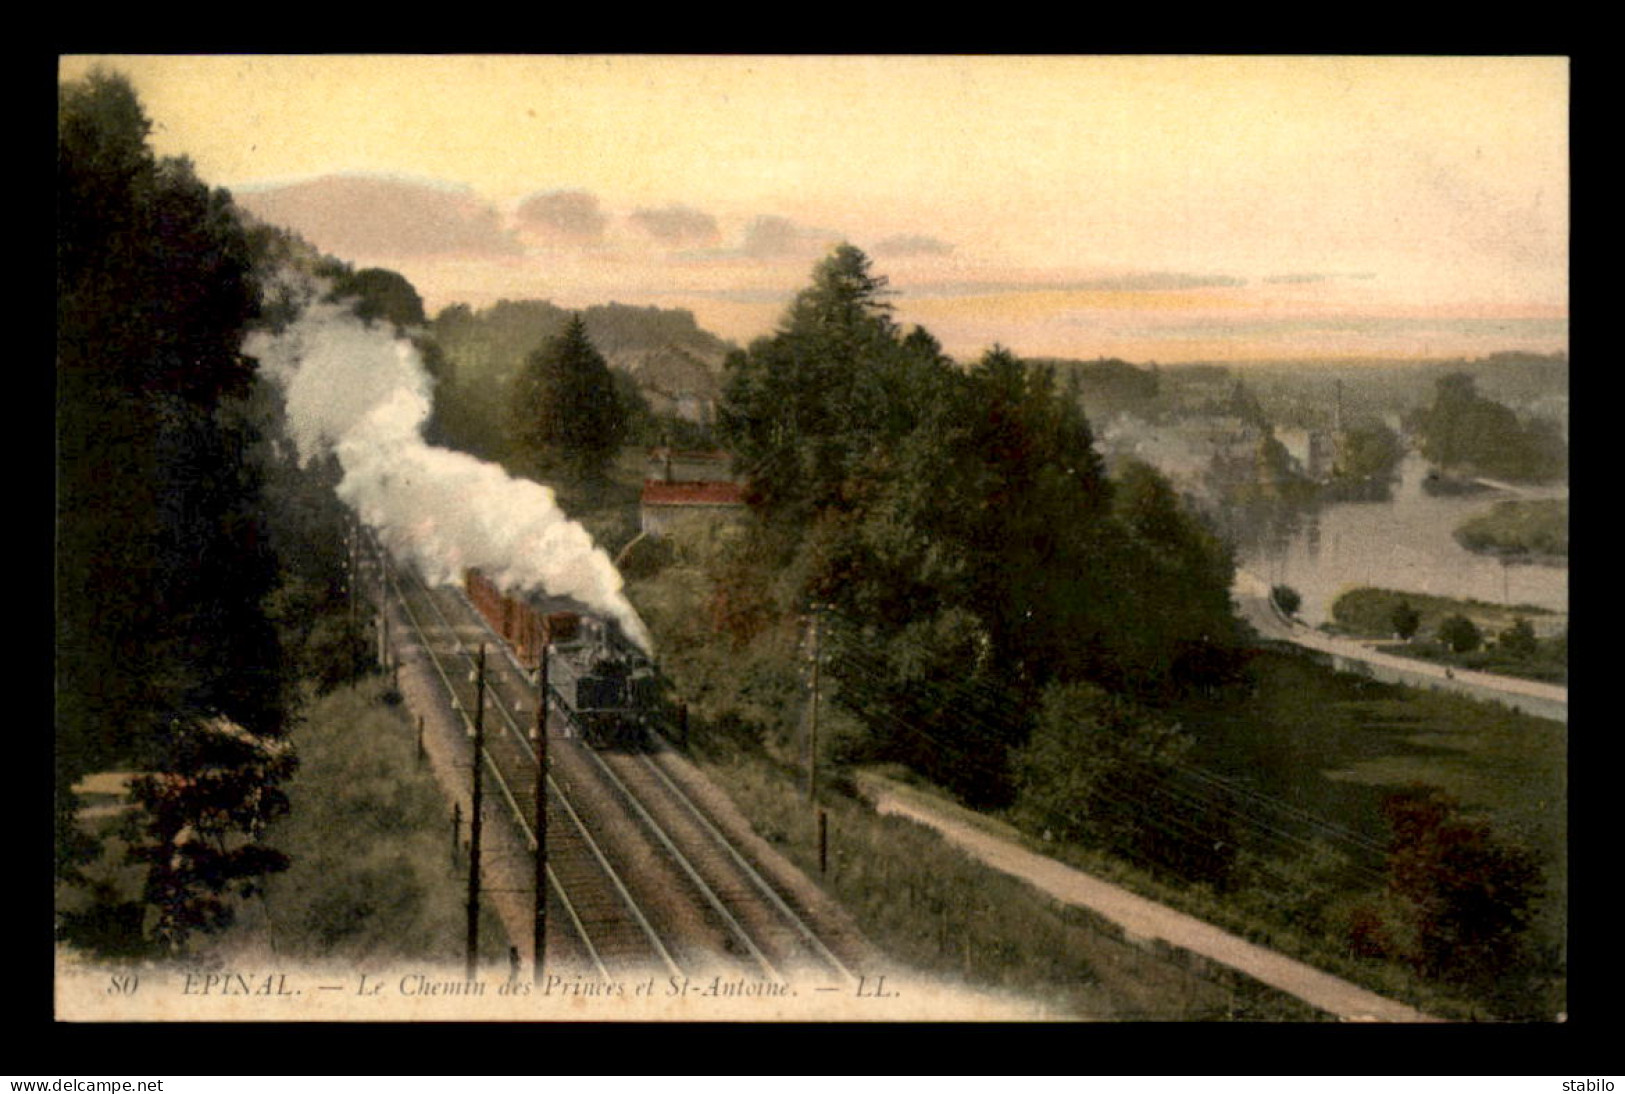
point(1151, 208)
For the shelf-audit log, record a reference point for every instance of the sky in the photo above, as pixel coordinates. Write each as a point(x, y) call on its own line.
point(1150, 208)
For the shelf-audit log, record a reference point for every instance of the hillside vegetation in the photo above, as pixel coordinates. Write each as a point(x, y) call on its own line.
point(995, 613)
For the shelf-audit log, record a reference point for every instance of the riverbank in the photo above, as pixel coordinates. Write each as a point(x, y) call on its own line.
point(1407, 542)
point(1368, 612)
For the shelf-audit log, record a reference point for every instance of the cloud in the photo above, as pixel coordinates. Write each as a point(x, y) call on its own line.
point(383, 217)
point(1140, 282)
point(781, 237)
point(908, 246)
point(1314, 278)
point(1512, 327)
point(678, 226)
point(563, 216)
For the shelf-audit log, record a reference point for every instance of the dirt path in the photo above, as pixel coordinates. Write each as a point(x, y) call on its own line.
point(1146, 919)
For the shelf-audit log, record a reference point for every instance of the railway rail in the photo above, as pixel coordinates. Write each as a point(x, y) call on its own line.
point(645, 876)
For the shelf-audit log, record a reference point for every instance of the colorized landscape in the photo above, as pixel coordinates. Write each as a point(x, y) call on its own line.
point(504, 516)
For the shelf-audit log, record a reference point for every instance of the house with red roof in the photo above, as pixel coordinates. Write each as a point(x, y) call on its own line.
point(666, 504)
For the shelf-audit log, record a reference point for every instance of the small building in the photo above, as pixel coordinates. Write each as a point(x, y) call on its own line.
point(1311, 449)
point(665, 505)
point(668, 464)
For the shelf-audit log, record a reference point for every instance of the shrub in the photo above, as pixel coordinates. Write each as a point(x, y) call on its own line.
point(1406, 620)
point(1460, 634)
point(1518, 639)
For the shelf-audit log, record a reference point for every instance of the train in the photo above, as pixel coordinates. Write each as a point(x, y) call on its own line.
point(608, 687)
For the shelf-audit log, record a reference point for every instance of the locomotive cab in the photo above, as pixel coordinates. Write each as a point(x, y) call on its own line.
point(606, 703)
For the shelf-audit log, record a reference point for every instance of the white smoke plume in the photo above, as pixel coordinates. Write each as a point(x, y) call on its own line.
point(360, 392)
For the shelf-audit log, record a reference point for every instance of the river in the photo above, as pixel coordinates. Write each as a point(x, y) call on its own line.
point(1404, 543)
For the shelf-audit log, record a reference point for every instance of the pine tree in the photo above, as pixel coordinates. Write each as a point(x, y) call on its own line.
point(566, 412)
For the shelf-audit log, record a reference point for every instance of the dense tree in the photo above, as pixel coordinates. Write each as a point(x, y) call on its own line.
point(1109, 387)
point(1167, 623)
point(1468, 894)
point(1518, 528)
point(965, 522)
point(1099, 770)
point(1368, 452)
point(804, 409)
point(1460, 634)
point(565, 409)
point(1463, 431)
point(381, 294)
point(1406, 620)
point(1519, 639)
point(208, 821)
point(1243, 404)
point(163, 561)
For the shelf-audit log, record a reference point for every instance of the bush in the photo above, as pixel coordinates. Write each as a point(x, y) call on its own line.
point(338, 652)
point(1406, 620)
point(1518, 640)
point(1287, 599)
point(1460, 634)
point(1467, 894)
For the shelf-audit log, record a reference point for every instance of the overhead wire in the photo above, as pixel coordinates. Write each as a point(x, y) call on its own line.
point(1247, 808)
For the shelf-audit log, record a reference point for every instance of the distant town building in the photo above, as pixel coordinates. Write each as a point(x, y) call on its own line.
point(1311, 449)
point(1185, 451)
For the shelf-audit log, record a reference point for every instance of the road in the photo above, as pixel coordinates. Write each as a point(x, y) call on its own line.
point(1146, 919)
point(1252, 596)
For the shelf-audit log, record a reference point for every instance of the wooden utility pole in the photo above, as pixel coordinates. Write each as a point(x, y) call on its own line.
point(390, 660)
point(823, 842)
point(539, 938)
point(351, 576)
point(812, 737)
point(474, 818)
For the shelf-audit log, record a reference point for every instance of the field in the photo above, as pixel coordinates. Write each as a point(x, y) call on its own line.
point(1338, 745)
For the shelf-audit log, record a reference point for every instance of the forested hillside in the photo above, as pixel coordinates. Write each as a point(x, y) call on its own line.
point(200, 575)
point(666, 370)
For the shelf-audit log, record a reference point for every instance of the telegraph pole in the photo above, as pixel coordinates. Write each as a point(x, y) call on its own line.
point(812, 737)
point(539, 939)
point(383, 621)
point(474, 822)
point(352, 577)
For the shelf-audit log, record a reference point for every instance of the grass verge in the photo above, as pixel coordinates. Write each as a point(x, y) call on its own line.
point(373, 879)
point(936, 909)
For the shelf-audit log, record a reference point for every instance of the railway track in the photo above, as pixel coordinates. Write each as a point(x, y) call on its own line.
point(645, 878)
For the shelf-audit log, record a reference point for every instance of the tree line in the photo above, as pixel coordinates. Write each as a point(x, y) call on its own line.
point(198, 576)
point(1463, 431)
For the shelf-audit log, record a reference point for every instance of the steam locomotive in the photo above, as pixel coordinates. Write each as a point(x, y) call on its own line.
point(607, 686)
